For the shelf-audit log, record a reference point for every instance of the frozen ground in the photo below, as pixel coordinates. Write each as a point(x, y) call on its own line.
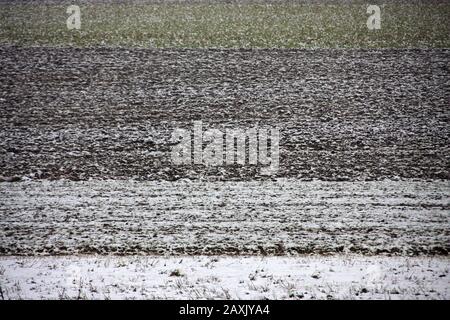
point(200, 277)
point(85, 141)
point(279, 217)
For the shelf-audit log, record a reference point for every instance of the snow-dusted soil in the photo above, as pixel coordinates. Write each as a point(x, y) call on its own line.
point(211, 218)
point(109, 112)
point(201, 277)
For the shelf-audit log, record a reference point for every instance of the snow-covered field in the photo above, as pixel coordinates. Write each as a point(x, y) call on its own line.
point(93, 207)
point(285, 216)
point(276, 222)
point(202, 277)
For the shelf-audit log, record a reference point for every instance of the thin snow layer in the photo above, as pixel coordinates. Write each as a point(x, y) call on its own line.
point(203, 277)
point(109, 113)
point(282, 217)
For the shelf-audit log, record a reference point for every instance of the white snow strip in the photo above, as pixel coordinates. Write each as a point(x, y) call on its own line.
point(212, 277)
point(209, 218)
